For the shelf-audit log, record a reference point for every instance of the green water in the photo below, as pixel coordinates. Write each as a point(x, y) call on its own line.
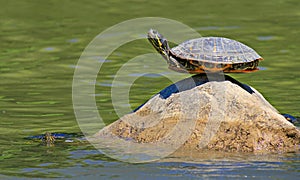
point(41, 43)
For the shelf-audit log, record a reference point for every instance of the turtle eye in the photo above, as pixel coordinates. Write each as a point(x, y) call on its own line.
point(164, 43)
point(154, 31)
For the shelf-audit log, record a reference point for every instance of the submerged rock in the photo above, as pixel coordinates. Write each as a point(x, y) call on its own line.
point(210, 113)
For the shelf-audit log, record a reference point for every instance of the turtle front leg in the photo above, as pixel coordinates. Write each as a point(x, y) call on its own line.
point(174, 62)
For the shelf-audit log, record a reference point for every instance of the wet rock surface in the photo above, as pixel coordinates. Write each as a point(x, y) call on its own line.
point(211, 113)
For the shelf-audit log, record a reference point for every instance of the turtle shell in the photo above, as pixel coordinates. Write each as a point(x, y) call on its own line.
point(215, 50)
point(214, 54)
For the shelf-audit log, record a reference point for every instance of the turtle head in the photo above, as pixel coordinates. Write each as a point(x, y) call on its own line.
point(159, 43)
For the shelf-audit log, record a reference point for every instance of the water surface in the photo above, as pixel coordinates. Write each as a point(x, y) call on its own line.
point(41, 43)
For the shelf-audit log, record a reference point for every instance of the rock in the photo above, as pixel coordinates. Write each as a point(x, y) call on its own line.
point(197, 114)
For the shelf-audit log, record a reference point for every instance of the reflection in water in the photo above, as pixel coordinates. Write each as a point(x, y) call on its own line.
point(265, 38)
point(209, 28)
point(216, 166)
point(73, 40)
point(49, 49)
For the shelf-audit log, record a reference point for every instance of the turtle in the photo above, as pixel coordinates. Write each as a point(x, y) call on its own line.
point(50, 139)
point(206, 55)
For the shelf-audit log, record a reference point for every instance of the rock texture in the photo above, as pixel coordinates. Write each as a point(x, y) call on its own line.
point(196, 114)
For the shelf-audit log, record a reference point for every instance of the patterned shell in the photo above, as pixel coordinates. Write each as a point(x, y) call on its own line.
point(215, 50)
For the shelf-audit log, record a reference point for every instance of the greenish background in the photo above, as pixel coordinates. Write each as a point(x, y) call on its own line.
point(41, 42)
